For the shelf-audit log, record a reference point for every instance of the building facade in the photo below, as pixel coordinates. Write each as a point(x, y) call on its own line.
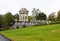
point(35, 13)
point(23, 19)
point(23, 14)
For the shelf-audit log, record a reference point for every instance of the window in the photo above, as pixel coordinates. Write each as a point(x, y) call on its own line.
point(21, 18)
point(25, 17)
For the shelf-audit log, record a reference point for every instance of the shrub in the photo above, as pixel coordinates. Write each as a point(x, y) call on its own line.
point(24, 26)
point(57, 22)
point(17, 27)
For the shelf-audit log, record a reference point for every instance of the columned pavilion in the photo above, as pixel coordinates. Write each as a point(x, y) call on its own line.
point(23, 14)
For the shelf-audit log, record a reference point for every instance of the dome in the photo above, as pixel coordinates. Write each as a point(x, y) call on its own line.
point(23, 10)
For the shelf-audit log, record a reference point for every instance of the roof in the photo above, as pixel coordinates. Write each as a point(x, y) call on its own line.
point(23, 10)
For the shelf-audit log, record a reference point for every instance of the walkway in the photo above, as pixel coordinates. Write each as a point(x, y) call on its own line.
point(3, 38)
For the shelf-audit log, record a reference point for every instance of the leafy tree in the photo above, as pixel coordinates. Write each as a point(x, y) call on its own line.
point(58, 15)
point(1, 20)
point(16, 16)
point(29, 18)
point(8, 18)
point(51, 17)
point(41, 16)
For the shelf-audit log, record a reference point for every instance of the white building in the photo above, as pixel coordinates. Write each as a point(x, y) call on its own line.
point(38, 11)
point(23, 18)
point(35, 12)
point(23, 14)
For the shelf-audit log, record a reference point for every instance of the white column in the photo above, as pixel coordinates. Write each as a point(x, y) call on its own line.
point(19, 17)
point(22, 18)
point(27, 17)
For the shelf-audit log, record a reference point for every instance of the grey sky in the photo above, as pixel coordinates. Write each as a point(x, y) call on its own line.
point(14, 6)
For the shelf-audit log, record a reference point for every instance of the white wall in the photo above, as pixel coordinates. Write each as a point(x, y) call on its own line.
point(21, 17)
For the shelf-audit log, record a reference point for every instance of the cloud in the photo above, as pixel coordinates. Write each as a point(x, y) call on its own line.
point(14, 6)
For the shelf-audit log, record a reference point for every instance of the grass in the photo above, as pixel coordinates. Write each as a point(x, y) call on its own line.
point(37, 33)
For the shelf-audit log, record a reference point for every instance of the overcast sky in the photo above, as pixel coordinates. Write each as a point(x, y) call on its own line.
point(14, 6)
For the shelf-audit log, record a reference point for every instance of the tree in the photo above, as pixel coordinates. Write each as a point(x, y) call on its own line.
point(8, 18)
point(58, 15)
point(29, 18)
point(1, 20)
point(41, 16)
point(51, 17)
point(16, 16)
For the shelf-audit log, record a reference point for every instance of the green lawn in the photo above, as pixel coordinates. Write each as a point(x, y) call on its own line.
point(38, 33)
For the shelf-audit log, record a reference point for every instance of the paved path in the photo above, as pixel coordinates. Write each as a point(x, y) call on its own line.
point(2, 38)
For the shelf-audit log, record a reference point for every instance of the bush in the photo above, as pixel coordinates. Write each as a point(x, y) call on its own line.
point(24, 26)
point(41, 24)
point(57, 22)
point(17, 27)
point(4, 28)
